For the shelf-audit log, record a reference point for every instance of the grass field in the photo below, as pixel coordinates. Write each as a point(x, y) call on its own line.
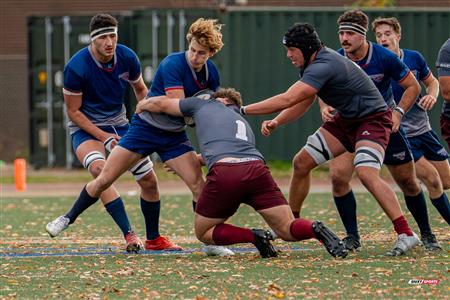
point(87, 261)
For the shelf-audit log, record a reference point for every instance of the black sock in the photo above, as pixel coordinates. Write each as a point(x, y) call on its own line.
point(151, 211)
point(346, 206)
point(117, 211)
point(442, 206)
point(81, 204)
point(418, 208)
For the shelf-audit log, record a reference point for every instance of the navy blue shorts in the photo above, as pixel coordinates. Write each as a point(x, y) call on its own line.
point(146, 139)
point(427, 145)
point(398, 151)
point(80, 136)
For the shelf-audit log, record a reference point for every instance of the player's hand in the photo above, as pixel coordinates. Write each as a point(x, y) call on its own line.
point(140, 106)
point(111, 141)
point(396, 119)
point(327, 113)
point(268, 126)
point(427, 102)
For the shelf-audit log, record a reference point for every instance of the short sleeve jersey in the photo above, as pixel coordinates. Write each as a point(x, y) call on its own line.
point(416, 121)
point(102, 86)
point(443, 68)
point(343, 85)
point(174, 72)
point(382, 66)
point(221, 131)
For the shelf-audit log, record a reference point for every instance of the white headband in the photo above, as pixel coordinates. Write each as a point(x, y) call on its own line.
point(349, 26)
point(102, 31)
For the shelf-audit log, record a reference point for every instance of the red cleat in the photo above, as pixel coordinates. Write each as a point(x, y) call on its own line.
point(134, 243)
point(161, 243)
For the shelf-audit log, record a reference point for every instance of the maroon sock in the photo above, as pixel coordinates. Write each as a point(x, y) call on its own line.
point(226, 234)
point(401, 226)
point(302, 229)
point(296, 214)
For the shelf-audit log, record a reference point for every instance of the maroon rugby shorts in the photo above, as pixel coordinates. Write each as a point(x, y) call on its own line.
point(376, 128)
point(445, 128)
point(230, 184)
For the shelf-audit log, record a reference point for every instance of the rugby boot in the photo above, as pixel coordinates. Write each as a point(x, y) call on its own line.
point(429, 242)
point(161, 243)
point(216, 250)
point(352, 243)
point(55, 227)
point(262, 243)
point(330, 240)
point(403, 244)
point(133, 243)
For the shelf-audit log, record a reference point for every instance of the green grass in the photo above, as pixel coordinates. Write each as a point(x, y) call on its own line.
point(296, 274)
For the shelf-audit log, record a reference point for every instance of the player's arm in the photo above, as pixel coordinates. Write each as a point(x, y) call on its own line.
point(73, 103)
point(286, 116)
point(160, 104)
point(444, 83)
point(297, 93)
point(432, 87)
point(139, 88)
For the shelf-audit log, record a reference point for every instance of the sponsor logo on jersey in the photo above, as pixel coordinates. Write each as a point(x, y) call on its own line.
point(125, 76)
point(377, 77)
point(365, 132)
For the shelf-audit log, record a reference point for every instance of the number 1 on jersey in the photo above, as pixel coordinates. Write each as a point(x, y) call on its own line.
point(241, 131)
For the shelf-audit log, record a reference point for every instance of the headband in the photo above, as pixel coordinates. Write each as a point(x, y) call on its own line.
point(349, 26)
point(102, 31)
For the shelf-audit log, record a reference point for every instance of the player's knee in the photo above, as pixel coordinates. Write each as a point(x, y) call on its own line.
point(317, 147)
point(299, 166)
point(95, 169)
point(149, 185)
point(408, 185)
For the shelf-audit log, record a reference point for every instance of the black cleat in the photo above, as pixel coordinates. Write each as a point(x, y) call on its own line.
point(429, 242)
point(330, 240)
point(352, 243)
point(262, 243)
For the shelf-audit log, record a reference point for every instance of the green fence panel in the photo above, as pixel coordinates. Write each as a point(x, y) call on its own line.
point(254, 61)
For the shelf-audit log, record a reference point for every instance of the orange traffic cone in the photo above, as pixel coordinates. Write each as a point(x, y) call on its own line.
point(20, 174)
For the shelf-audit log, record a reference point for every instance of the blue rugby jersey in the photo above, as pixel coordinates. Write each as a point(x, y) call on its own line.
point(102, 86)
point(174, 72)
point(416, 121)
point(382, 66)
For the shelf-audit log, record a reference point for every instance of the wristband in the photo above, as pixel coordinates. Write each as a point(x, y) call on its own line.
point(242, 110)
point(399, 110)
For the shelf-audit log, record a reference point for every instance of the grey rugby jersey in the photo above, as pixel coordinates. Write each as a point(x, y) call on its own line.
point(443, 67)
point(221, 131)
point(343, 85)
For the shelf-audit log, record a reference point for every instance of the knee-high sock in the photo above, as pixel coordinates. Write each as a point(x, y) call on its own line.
point(346, 206)
point(417, 205)
point(81, 204)
point(117, 211)
point(442, 206)
point(151, 211)
point(302, 229)
point(226, 234)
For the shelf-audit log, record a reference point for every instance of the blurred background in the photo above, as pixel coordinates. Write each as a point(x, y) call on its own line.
point(39, 36)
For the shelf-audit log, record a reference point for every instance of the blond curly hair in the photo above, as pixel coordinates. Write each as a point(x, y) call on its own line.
point(207, 33)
